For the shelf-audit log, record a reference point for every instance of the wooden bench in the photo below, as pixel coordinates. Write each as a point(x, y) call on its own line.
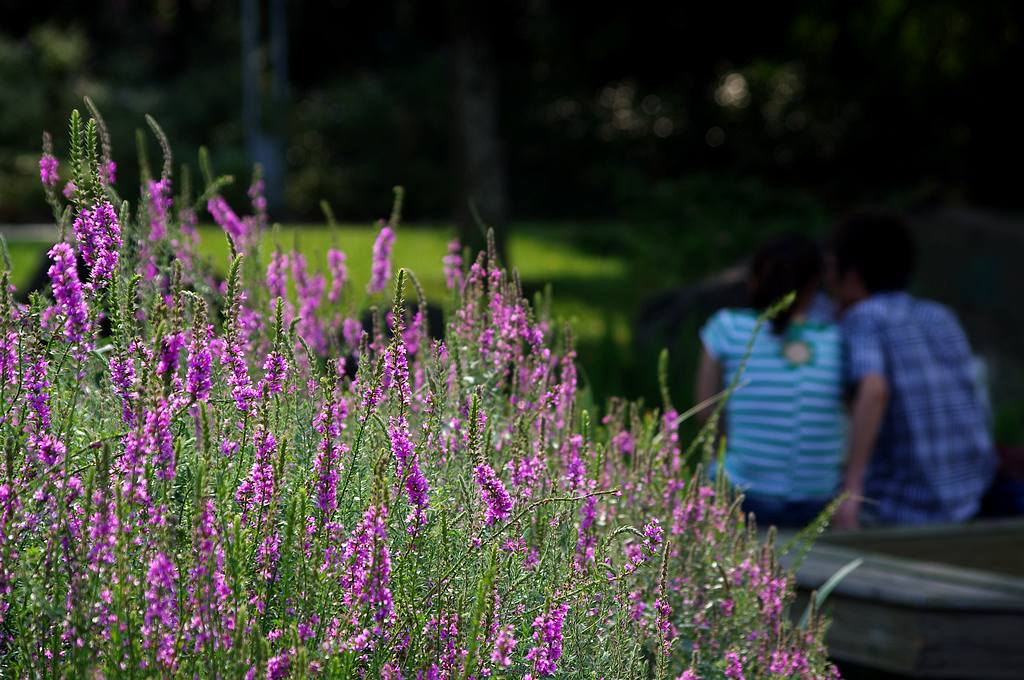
point(935, 602)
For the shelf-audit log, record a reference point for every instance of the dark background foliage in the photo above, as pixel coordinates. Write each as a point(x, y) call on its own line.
point(673, 135)
point(603, 110)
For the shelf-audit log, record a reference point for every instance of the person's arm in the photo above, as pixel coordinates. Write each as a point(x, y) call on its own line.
point(869, 404)
point(709, 383)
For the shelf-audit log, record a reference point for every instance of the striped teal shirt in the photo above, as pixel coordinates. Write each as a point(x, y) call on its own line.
point(785, 426)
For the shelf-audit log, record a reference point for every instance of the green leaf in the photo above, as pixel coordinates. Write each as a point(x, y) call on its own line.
point(826, 590)
point(165, 146)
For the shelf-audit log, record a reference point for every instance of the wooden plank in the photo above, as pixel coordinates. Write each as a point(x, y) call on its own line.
point(920, 618)
point(991, 545)
point(909, 583)
point(1005, 527)
point(925, 644)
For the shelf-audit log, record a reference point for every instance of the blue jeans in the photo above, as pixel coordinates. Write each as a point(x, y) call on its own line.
point(783, 512)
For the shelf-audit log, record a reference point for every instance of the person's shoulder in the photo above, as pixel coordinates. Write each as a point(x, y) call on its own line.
point(940, 322)
point(824, 329)
point(883, 308)
point(823, 309)
point(733, 318)
point(877, 305)
point(726, 331)
point(936, 312)
point(868, 313)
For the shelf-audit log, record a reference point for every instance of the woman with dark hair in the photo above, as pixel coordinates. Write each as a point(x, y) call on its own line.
point(784, 425)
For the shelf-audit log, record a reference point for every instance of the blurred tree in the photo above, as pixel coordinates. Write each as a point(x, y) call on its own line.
point(577, 110)
point(265, 116)
point(481, 195)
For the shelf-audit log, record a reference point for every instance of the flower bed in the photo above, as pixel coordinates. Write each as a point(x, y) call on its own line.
point(242, 478)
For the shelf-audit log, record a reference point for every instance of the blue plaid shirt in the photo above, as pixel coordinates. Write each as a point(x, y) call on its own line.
point(933, 459)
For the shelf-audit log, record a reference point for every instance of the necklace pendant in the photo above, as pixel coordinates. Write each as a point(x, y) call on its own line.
point(797, 352)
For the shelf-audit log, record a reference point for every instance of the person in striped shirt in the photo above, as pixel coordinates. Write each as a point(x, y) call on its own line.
point(785, 425)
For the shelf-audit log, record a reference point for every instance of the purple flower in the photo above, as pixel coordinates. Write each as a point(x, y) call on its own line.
point(69, 189)
point(670, 432)
point(653, 534)
point(363, 570)
point(159, 207)
point(36, 385)
point(624, 443)
point(242, 390)
point(381, 269)
point(148, 448)
point(256, 491)
point(277, 666)
point(8, 358)
point(396, 372)
point(575, 468)
point(109, 172)
point(663, 620)
point(525, 473)
point(412, 333)
point(496, 498)
point(453, 265)
point(689, 674)
point(161, 617)
point(504, 643)
point(371, 396)
point(277, 275)
point(637, 555)
point(157, 432)
point(339, 273)
point(259, 202)
point(226, 218)
point(586, 541)
point(48, 170)
point(170, 350)
point(781, 664)
point(547, 638)
point(67, 291)
point(99, 240)
point(309, 289)
point(770, 591)
point(406, 462)
point(48, 449)
point(352, 331)
point(329, 424)
point(267, 556)
point(372, 585)
point(733, 666)
point(199, 361)
point(275, 372)
point(123, 378)
point(209, 598)
point(688, 515)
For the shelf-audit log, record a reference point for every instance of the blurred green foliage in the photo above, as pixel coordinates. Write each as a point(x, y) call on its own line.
point(604, 112)
point(701, 223)
point(38, 74)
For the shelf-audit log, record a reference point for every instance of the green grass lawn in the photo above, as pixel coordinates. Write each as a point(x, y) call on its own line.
point(595, 272)
point(26, 257)
point(592, 290)
point(534, 251)
point(581, 280)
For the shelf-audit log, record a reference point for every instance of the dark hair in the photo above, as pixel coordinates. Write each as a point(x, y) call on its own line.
point(787, 263)
point(877, 245)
